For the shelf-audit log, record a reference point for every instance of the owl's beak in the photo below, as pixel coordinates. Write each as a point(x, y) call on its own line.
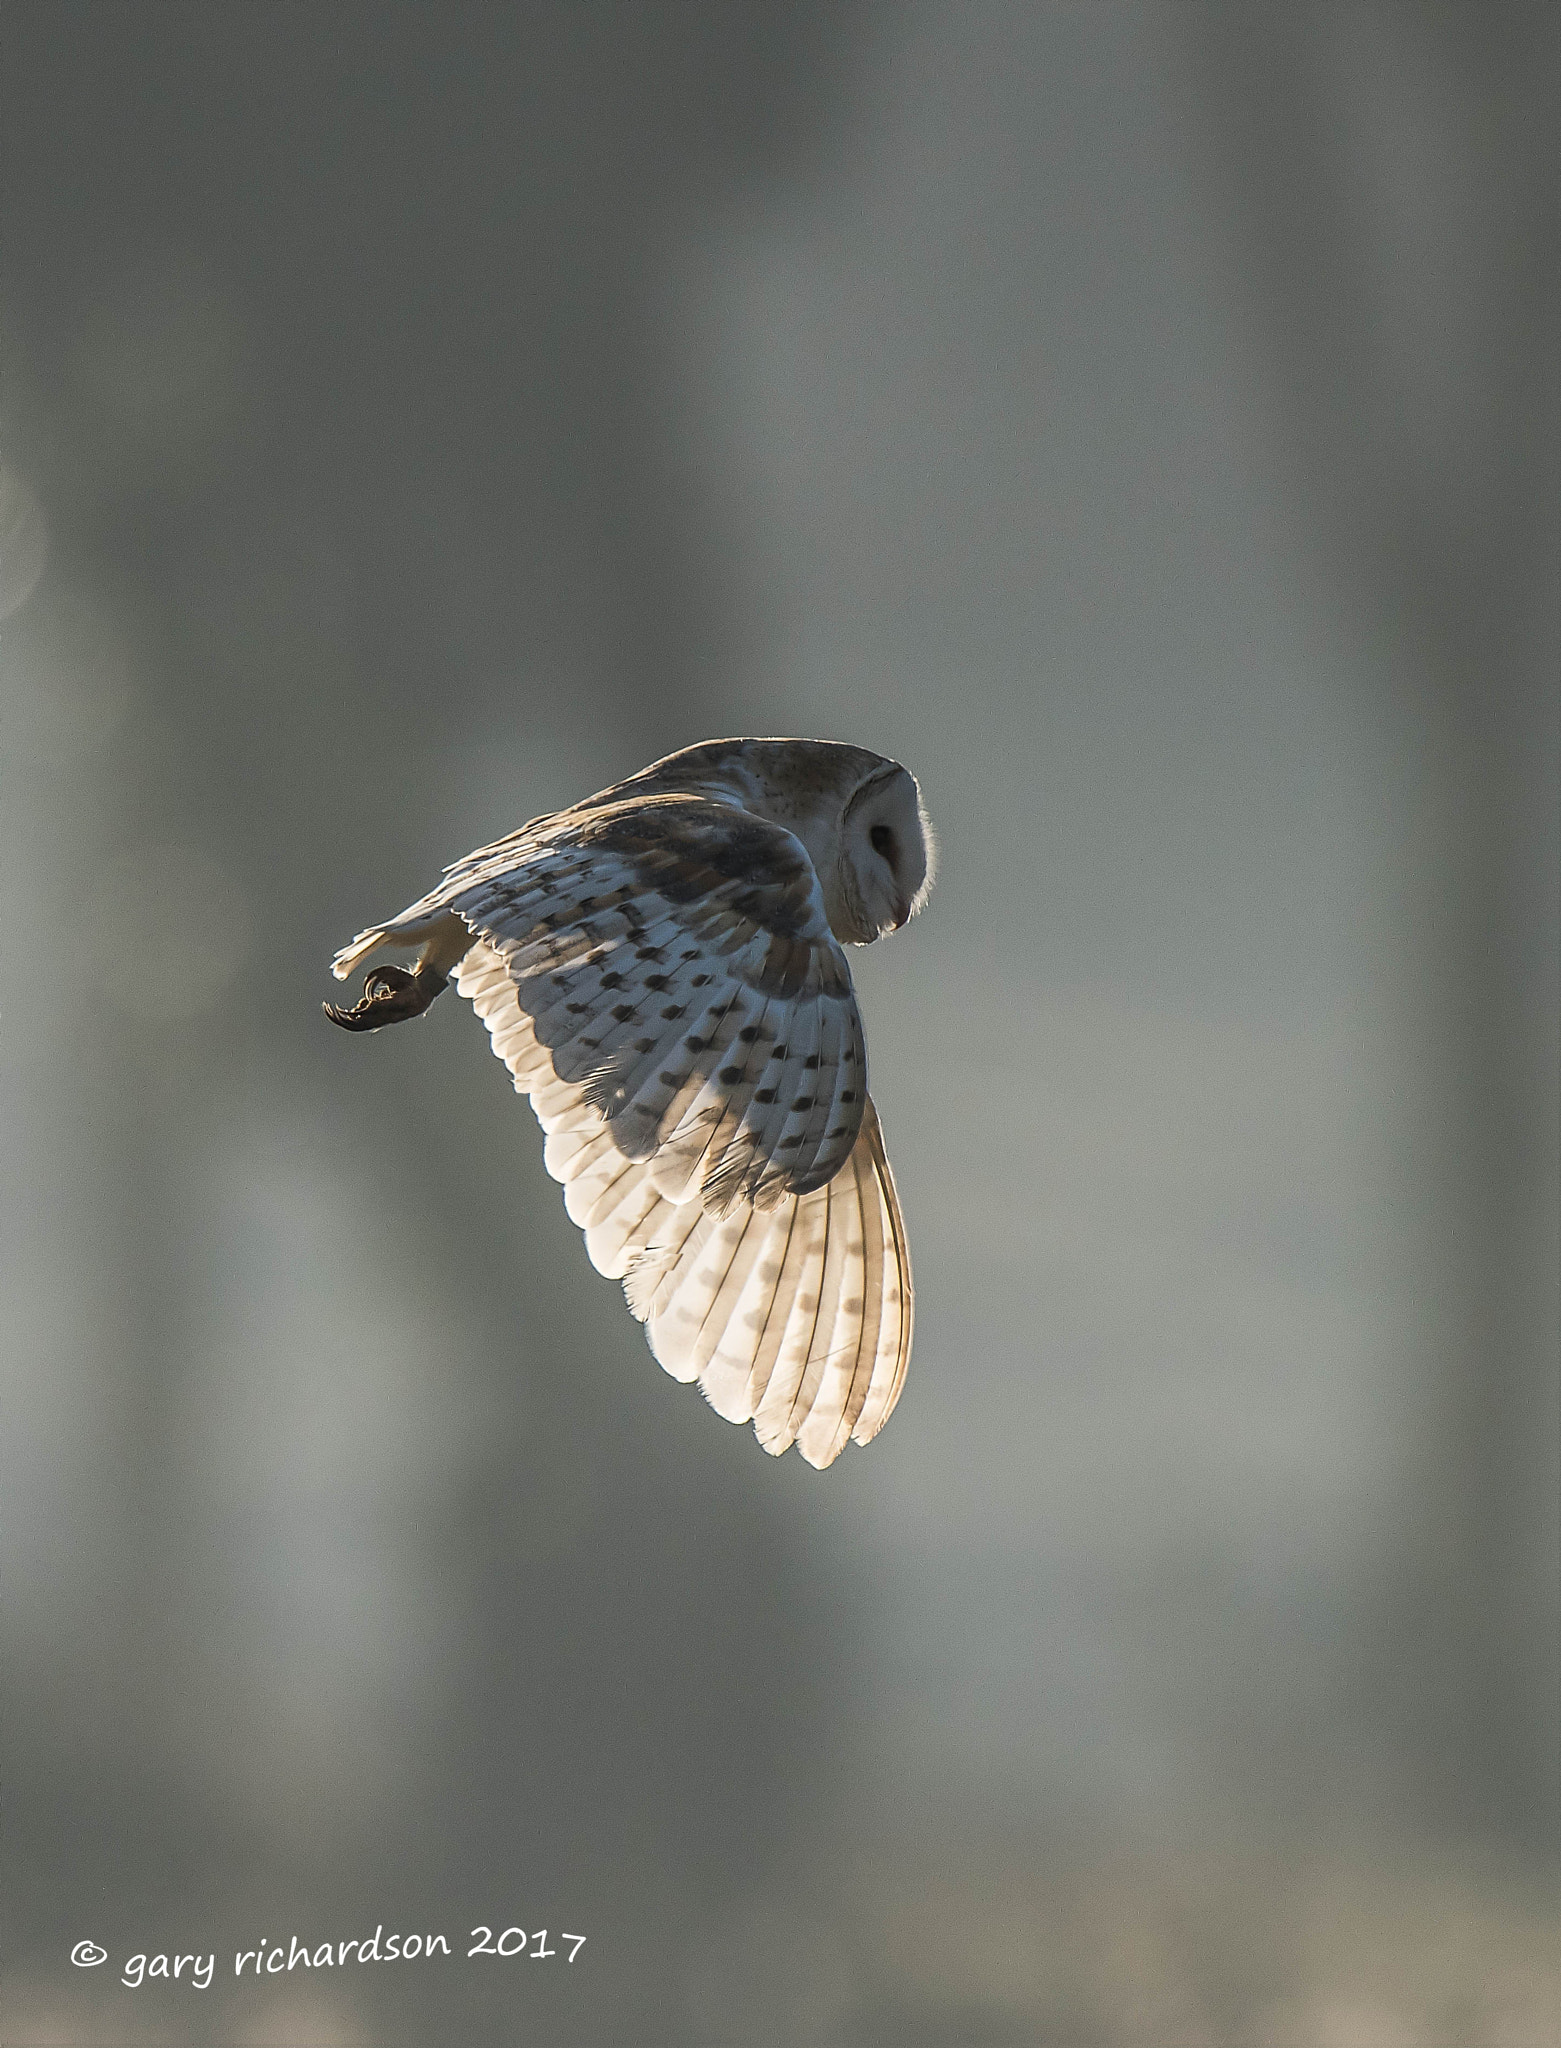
point(902, 912)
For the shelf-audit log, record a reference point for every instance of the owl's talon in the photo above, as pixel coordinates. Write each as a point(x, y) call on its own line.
point(391, 995)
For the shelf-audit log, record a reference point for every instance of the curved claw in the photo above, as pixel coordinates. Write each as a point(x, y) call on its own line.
point(390, 996)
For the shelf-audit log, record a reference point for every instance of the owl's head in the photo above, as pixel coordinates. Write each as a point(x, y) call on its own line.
point(885, 860)
point(858, 814)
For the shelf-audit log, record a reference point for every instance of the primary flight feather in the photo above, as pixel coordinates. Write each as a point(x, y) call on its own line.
point(660, 968)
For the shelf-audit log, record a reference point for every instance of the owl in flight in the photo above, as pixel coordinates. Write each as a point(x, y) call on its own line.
point(660, 968)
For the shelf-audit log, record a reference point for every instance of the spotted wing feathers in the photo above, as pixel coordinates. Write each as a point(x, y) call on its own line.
point(795, 1314)
point(675, 963)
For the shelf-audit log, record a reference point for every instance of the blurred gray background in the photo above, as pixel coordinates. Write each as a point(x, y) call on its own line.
point(1139, 420)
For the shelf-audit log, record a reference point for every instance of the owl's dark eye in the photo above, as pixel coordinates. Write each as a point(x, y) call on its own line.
point(882, 841)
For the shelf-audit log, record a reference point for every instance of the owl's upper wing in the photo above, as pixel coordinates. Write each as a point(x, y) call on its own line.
point(797, 1316)
point(675, 972)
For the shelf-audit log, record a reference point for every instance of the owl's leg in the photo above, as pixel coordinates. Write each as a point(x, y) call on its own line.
point(390, 996)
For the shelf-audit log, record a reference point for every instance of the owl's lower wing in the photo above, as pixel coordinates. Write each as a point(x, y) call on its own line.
point(796, 1316)
point(673, 961)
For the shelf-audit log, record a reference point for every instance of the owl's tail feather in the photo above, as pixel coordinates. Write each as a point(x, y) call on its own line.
point(358, 951)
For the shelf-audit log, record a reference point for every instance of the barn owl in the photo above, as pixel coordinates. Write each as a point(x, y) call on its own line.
point(660, 968)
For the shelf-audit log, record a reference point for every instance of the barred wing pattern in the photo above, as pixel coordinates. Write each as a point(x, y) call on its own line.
point(797, 1317)
point(733, 1176)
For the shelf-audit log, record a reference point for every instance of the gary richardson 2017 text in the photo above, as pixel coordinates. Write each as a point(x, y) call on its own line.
point(380, 1947)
